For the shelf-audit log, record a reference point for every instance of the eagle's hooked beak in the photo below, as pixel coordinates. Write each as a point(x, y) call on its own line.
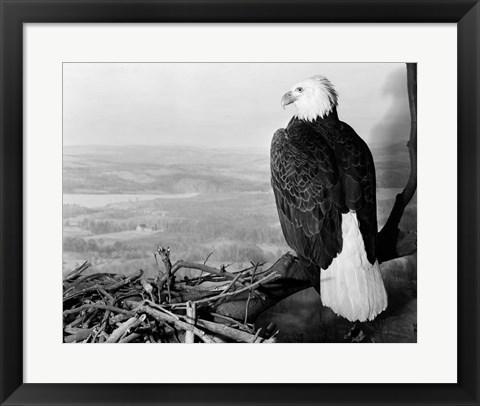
point(287, 99)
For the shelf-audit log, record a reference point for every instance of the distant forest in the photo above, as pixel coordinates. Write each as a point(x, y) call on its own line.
point(233, 214)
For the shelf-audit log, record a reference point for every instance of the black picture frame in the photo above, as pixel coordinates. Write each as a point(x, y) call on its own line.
point(465, 13)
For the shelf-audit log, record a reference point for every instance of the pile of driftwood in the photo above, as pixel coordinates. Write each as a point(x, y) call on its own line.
point(113, 308)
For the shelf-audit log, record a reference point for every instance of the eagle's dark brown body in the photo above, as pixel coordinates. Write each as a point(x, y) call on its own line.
point(320, 170)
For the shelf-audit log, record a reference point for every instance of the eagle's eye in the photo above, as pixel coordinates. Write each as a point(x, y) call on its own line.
point(299, 89)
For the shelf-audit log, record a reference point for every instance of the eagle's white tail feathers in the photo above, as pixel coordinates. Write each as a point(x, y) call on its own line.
point(351, 286)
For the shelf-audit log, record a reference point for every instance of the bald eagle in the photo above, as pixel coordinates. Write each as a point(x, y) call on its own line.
point(323, 179)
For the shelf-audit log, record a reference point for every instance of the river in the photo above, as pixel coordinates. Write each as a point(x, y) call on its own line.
point(101, 200)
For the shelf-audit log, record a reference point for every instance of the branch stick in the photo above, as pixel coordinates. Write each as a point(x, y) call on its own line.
point(98, 306)
point(130, 338)
point(228, 287)
point(165, 255)
point(130, 324)
point(164, 317)
point(249, 294)
point(191, 315)
point(237, 292)
point(112, 287)
point(237, 323)
point(76, 272)
point(125, 281)
point(79, 336)
point(224, 330)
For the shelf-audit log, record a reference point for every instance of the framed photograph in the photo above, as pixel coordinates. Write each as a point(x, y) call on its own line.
point(299, 177)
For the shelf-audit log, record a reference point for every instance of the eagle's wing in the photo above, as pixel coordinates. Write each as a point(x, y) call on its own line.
point(309, 198)
point(357, 171)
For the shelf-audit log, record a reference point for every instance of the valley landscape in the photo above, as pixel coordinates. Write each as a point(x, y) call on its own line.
point(121, 202)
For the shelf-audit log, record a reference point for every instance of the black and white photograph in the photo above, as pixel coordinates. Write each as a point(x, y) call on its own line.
point(239, 202)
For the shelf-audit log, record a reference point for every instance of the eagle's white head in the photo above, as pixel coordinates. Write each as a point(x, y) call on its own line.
point(314, 97)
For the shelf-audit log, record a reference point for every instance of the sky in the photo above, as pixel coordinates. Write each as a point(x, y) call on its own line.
point(221, 104)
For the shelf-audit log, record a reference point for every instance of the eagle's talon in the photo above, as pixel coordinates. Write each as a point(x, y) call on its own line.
point(355, 334)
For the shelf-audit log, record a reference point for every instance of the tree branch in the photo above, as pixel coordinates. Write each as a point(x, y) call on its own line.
point(389, 235)
point(290, 278)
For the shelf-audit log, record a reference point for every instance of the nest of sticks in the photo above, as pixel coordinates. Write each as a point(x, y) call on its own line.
point(114, 308)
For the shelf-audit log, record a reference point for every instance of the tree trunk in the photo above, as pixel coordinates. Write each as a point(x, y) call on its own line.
point(389, 235)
